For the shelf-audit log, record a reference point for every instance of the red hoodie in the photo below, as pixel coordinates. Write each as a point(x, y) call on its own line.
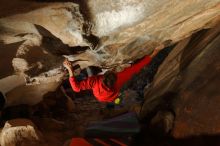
point(100, 91)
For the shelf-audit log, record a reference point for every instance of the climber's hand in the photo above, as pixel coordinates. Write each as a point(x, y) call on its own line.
point(160, 47)
point(67, 64)
point(157, 50)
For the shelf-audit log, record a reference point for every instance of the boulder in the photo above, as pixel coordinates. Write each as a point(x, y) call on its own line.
point(192, 71)
point(36, 35)
point(20, 131)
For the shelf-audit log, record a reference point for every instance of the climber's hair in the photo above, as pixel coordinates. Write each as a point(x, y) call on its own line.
point(109, 79)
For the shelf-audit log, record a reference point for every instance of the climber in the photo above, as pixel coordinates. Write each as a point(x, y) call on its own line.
point(106, 88)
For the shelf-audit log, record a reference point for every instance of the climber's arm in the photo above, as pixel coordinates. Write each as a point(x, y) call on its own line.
point(126, 75)
point(67, 64)
point(77, 86)
point(82, 85)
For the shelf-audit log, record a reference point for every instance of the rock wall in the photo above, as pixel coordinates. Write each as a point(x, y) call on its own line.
point(191, 71)
point(35, 35)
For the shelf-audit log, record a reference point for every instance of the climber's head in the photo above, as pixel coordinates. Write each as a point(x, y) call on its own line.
point(109, 79)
